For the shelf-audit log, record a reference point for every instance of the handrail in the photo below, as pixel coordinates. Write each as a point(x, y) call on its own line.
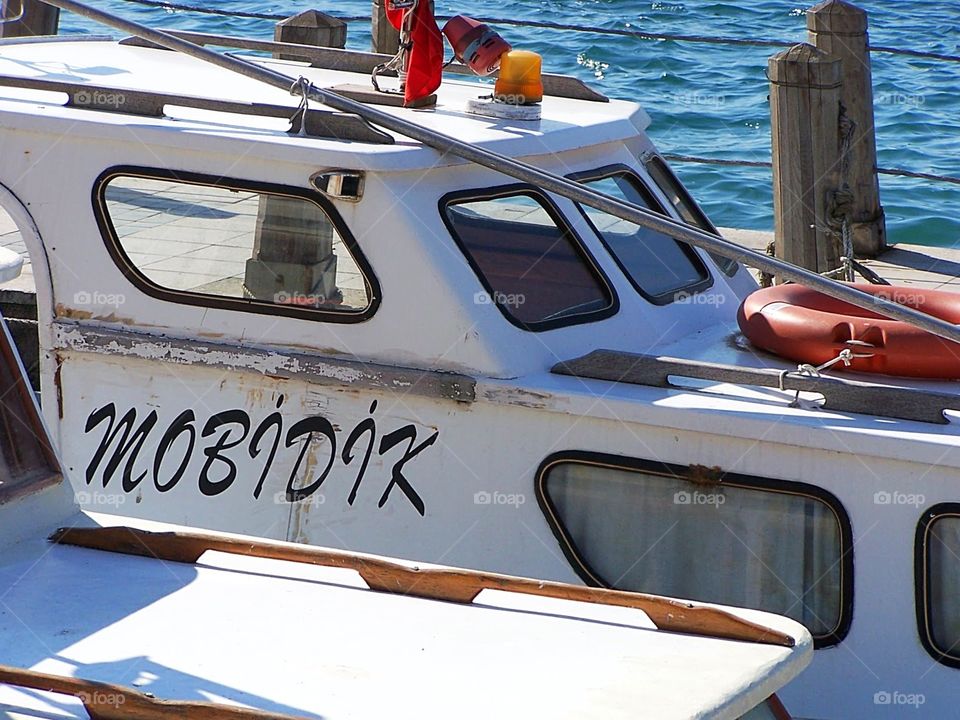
point(106, 701)
point(447, 584)
point(526, 173)
point(839, 394)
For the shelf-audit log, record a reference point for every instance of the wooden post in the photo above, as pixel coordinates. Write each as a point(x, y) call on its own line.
point(805, 113)
point(840, 29)
point(311, 28)
point(386, 38)
point(293, 258)
point(35, 18)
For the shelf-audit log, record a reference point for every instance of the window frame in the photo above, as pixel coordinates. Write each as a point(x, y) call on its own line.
point(458, 197)
point(248, 305)
point(921, 568)
point(706, 224)
point(609, 171)
point(681, 472)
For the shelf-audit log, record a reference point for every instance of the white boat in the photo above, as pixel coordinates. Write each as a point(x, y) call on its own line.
point(347, 338)
point(113, 618)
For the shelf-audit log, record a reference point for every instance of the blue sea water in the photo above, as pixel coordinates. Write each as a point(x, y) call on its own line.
point(710, 100)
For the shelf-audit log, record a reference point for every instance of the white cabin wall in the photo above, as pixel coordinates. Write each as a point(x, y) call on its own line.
point(427, 319)
point(421, 322)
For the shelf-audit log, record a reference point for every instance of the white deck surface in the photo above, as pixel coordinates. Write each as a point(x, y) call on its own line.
point(936, 268)
point(314, 642)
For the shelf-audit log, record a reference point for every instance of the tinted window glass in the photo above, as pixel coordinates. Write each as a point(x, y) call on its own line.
point(688, 209)
point(530, 263)
point(658, 532)
point(656, 264)
point(941, 586)
point(225, 242)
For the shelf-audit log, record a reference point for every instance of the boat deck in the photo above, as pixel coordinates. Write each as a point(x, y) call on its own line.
point(936, 268)
point(314, 642)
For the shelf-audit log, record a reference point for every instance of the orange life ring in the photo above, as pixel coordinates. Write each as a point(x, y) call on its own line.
point(807, 326)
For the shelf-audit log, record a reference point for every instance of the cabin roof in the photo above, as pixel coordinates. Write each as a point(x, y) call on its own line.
point(109, 64)
point(314, 642)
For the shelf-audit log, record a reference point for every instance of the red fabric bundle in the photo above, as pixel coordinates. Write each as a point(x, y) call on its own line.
point(426, 58)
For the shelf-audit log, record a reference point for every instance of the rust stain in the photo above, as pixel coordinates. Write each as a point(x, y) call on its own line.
point(703, 475)
point(59, 385)
point(72, 313)
point(64, 311)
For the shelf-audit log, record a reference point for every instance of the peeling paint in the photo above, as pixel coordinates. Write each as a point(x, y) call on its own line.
point(317, 370)
point(518, 396)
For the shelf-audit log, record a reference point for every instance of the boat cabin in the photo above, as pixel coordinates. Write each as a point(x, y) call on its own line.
point(321, 331)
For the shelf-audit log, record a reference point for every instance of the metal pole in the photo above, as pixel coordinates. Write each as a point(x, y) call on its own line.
point(529, 174)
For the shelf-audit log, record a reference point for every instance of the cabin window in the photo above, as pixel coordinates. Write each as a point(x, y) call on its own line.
point(227, 243)
point(938, 582)
point(687, 207)
point(530, 263)
point(27, 462)
point(659, 267)
point(697, 533)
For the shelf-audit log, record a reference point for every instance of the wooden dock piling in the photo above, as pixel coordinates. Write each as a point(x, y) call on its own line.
point(805, 114)
point(840, 29)
point(26, 18)
point(311, 27)
point(293, 245)
point(386, 38)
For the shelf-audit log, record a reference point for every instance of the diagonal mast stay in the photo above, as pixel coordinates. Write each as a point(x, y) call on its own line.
point(522, 171)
